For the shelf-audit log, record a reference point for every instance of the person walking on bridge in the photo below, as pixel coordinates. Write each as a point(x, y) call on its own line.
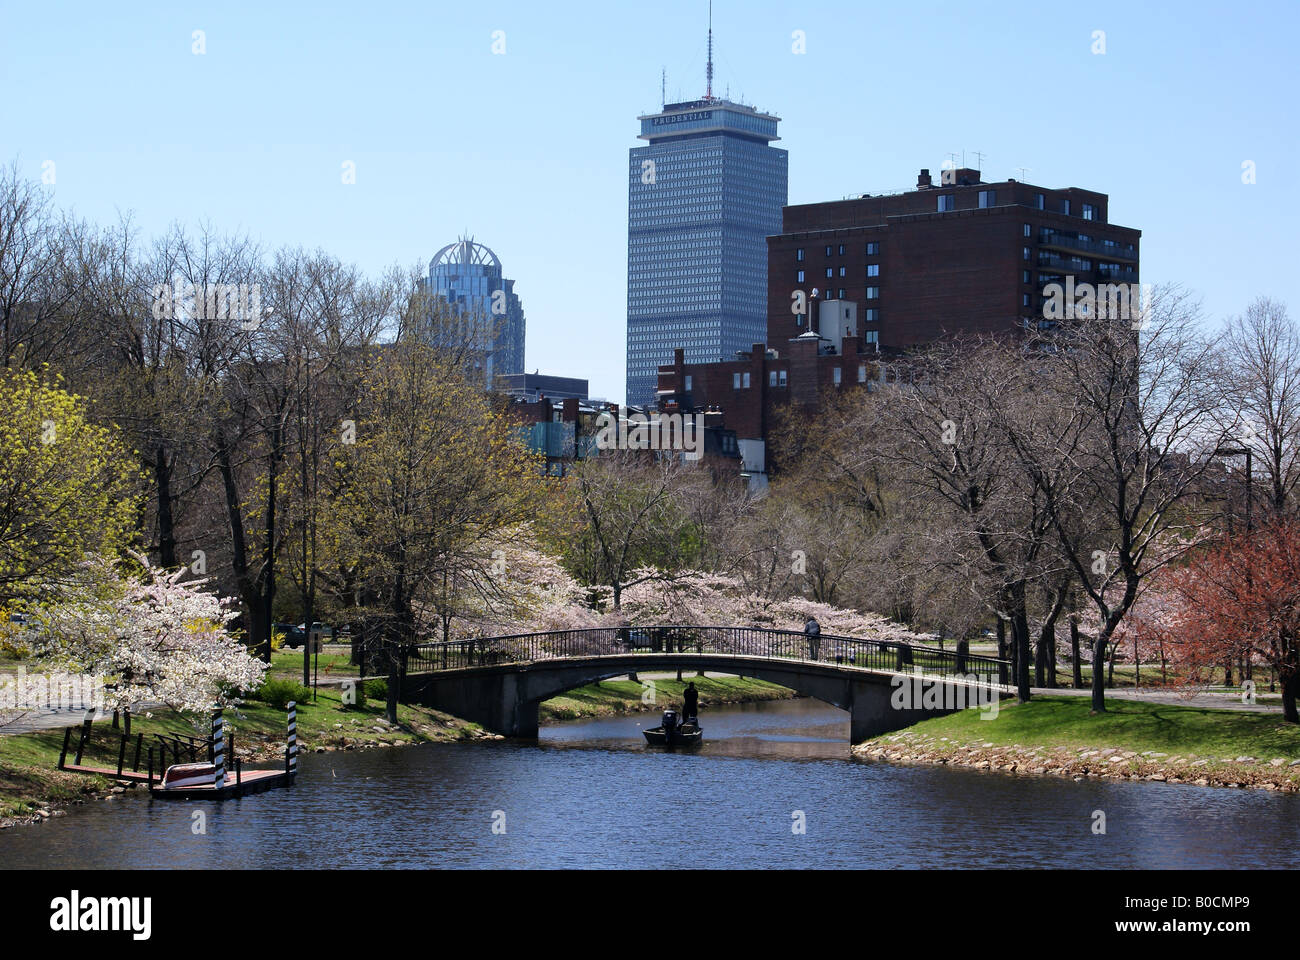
point(691, 703)
point(813, 631)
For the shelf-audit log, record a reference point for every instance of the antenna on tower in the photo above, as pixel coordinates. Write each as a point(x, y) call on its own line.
point(979, 159)
point(708, 73)
point(663, 87)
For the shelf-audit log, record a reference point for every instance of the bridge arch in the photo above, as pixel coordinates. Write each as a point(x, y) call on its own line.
point(505, 697)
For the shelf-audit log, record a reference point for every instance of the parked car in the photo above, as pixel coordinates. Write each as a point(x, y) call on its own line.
point(294, 636)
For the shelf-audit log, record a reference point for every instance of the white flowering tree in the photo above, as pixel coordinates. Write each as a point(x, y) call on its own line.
point(153, 636)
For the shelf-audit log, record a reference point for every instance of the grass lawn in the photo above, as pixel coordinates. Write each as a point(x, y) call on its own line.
point(611, 697)
point(1126, 725)
point(288, 665)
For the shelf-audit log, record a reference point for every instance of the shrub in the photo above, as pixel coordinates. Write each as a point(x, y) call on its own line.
point(278, 693)
point(376, 689)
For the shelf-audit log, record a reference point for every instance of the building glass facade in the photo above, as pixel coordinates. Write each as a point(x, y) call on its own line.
point(468, 276)
point(704, 193)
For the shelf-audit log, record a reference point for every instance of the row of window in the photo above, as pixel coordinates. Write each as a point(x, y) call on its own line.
point(873, 270)
point(778, 378)
point(873, 250)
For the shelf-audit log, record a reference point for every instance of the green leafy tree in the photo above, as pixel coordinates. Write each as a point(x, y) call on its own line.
point(67, 487)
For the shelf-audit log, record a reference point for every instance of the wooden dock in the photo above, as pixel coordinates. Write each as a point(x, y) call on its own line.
point(235, 783)
point(239, 784)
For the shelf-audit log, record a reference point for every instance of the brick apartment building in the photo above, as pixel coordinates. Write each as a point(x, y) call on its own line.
point(956, 257)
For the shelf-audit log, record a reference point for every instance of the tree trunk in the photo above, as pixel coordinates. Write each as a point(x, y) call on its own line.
point(166, 523)
point(1290, 692)
point(1099, 675)
point(1076, 652)
point(1022, 642)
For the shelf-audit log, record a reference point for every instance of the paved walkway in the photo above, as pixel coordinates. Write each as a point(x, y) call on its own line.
point(1213, 699)
point(47, 718)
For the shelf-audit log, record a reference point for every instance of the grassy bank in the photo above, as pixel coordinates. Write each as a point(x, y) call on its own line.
point(1131, 740)
point(613, 697)
point(30, 782)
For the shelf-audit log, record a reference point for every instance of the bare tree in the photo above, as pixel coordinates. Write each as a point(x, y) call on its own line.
point(1263, 368)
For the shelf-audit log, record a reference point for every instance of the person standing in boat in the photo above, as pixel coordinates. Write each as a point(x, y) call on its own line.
point(691, 703)
point(813, 631)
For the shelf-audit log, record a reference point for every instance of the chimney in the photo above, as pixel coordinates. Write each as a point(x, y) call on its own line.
point(923, 182)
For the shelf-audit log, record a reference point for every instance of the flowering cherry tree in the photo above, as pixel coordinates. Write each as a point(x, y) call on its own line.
point(157, 637)
point(1241, 600)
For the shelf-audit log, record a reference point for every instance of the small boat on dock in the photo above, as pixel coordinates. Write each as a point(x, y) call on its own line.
point(181, 775)
point(674, 732)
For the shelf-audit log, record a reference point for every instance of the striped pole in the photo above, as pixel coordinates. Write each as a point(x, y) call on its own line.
point(219, 749)
point(293, 738)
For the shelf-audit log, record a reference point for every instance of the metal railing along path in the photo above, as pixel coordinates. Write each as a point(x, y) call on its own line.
point(884, 655)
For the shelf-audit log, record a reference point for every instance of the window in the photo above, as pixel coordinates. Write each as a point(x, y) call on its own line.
point(835, 375)
point(1028, 230)
point(782, 380)
point(841, 249)
point(873, 248)
point(1065, 207)
point(830, 272)
point(744, 382)
point(1026, 252)
point(771, 378)
point(871, 336)
point(735, 381)
point(828, 251)
point(1089, 212)
point(841, 294)
point(1024, 299)
point(873, 269)
point(688, 383)
point(946, 203)
point(798, 255)
point(842, 271)
point(1024, 276)
point(1040, 201)
point(799, 275)
point(873, 316)
point(862, 373)
point(873, 293)
point(988, 198)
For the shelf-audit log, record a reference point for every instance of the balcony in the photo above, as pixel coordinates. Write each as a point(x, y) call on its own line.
point(1096, 247)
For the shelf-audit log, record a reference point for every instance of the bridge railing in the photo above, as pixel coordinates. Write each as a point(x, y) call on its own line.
point(889, 655)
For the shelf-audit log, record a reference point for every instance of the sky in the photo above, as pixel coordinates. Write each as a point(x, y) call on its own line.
point(526, 148)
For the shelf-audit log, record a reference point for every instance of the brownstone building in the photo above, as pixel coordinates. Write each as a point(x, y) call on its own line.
point(852, 280)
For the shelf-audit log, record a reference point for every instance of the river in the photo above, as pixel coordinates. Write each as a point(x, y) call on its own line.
point(592, 794)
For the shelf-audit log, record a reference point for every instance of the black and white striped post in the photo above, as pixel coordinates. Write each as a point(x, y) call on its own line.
point(219, 749)
point(292, 751)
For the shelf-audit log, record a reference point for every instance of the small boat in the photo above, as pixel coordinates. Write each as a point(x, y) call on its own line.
point(181, 775)
point(672, 733)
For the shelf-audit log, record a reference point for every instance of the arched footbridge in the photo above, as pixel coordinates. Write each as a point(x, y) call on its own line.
point(885, 685)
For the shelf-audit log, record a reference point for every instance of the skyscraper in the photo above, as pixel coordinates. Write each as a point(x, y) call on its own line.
point(468, 276)
point(703, 195)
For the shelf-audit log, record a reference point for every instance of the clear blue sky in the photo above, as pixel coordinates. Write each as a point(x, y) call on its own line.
point(528, 150)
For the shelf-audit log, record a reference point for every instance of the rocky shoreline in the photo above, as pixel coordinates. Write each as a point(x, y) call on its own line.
point(1105, 763)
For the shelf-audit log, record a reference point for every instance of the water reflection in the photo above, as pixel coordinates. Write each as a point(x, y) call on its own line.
point(593, 794)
